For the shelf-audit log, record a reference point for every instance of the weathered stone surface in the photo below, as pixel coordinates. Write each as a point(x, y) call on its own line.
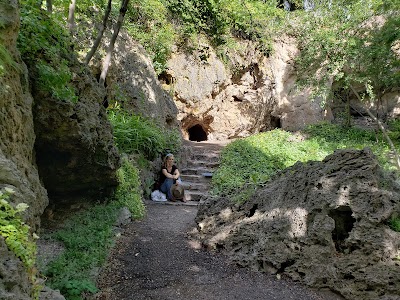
point(74, 144)
point(252, 93)
point(132, 81)
point(17, 160)
point(322, 223)
point(295, 108)
point(14, 281)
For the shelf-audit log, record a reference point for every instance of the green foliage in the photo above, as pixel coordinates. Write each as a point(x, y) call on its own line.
point(147, 23)
point(136, 134)
point(250, 162)
point(56, 81)
point(6, 61)
point(394, 223)
point(44, 45)
point(87, 237)
point(129, 191)
point(221, 20)
point(350, 41)
point(17, 235)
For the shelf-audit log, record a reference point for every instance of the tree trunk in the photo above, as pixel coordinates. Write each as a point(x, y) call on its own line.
point(71, 16)
point(348, 115)
point(117, 27)
point(99, 35)
point(381, 127)
point(49, 6)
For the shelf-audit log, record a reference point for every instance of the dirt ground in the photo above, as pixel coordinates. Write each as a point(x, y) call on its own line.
point(155, 259)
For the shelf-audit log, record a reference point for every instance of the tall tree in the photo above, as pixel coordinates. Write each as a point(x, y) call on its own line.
point(117, 27)
point(100, 34)
point(71, 16)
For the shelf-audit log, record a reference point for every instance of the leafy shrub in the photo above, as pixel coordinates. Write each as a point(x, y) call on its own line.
point(56, 82)
point(129, 191)
point(136, 134)
point(17, 235)
point(44, 44)
point(148, 24)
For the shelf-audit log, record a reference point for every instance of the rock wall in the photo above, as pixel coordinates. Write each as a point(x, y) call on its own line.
point(133, 83)
point(75, 149)
point(17, 158)
point(321, 223)
point(253, 94)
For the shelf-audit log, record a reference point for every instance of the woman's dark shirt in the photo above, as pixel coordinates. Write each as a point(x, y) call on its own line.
point(162, 177)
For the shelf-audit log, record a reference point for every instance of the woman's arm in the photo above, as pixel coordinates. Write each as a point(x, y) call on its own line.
point(176, 173)
point(167, 175)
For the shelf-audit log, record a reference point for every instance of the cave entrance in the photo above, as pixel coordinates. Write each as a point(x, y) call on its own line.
point(197, 133)
point(344, 223)
point(276, 122)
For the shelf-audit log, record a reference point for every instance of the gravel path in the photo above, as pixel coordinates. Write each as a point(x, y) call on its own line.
point(155, 259)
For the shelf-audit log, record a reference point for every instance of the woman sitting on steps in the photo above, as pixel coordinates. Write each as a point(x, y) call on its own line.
point(170, 182)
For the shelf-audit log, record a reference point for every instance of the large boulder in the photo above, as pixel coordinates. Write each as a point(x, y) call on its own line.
point(321, 223)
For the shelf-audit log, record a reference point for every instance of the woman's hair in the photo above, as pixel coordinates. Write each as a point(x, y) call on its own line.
point(166, 158)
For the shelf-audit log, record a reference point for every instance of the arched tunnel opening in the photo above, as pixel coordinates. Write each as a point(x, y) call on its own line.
point(197, 133)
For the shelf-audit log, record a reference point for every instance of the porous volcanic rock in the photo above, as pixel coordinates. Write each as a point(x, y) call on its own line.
point(322, 223)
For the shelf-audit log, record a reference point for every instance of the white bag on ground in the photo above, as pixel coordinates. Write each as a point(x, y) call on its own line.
point(158, 196)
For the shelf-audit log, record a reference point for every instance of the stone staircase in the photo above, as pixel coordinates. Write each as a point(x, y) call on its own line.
point(202, 159)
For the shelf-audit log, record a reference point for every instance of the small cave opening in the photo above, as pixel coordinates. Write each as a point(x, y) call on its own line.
point(197, 133)
point(166, 78)
point(344, 223)
point(276, 122)
point(252, 211)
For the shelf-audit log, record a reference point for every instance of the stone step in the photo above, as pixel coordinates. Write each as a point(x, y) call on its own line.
point(195, 171)
point(200, 186)
point(203, 163)
point(194, 195)
point(187, 203)
point(210, 157)
point(195, 178)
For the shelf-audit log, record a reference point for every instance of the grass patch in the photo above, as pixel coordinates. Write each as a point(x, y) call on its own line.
point(250, 162)
point(394, 223)
point(88, 236)
point(138, 135)
point(129, 191)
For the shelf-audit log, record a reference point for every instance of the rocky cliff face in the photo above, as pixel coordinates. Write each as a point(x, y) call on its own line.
point(322, 223)
point(76, 154)
point(254, 94)
point(132, 82)
point(18, 169)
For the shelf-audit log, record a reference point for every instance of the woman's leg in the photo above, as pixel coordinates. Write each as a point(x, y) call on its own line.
point(166, 187)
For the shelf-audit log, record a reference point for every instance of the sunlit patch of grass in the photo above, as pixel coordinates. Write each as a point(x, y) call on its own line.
point(250, 162)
